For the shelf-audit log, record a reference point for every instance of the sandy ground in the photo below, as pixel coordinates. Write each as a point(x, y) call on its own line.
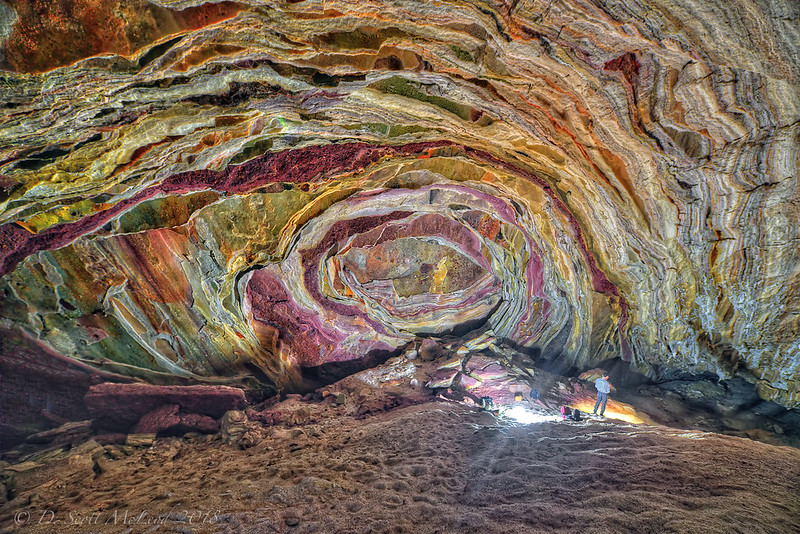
point(435, 467)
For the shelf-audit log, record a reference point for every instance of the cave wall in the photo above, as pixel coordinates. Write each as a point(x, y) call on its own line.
point(232, 192)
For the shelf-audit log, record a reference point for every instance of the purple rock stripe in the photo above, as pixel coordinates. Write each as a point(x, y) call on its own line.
point(301, 165)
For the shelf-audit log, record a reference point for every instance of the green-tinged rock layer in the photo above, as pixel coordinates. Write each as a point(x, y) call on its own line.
point(234, 192)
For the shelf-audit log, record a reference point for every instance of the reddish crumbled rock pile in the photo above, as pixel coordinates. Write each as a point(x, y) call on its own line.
point(120, 406)
point(169, 418)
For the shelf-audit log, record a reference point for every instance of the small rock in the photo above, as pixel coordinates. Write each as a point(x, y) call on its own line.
point(313, 485)
point(90, 449)
point(80, 463)
point(233, 426)
point(287, 433)
point(22, 467)
point(429, 350)
point(291, 518)
point(233, 417)
point(278, 495)
point(237, 429)
point(442, 378)
point(354, 506)
point(300, 416)
point(64, 433)
point(44, 456)
point(140, 440)
point(159, 419)
point(114, 452)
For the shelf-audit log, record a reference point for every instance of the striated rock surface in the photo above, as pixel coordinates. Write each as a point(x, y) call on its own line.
point(236, 193)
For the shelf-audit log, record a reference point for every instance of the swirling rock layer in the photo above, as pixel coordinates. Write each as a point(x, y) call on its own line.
point(230, 193)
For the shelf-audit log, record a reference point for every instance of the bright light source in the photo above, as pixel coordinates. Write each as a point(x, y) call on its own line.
point(614, 410)
point(524, 416)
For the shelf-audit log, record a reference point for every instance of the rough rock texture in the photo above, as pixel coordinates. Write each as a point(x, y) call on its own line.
point(155, 408)
point(235, 428)
point(234, 193)
point(169, 419)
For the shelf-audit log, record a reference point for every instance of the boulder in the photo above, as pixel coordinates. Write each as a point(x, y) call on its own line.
point(168, 419)
point(442, 378)
point(237, 429)
point(429, 350)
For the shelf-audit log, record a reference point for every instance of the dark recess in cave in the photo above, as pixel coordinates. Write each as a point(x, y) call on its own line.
point(158, 51)
point(328, 373)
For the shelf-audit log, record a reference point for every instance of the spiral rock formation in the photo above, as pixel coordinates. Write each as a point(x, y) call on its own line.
point(235, 192)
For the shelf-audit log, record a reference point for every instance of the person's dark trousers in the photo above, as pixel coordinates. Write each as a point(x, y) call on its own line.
point(601, 398)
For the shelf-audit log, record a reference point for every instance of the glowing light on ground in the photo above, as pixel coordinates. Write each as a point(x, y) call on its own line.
point(614, 410)
point(520, 414)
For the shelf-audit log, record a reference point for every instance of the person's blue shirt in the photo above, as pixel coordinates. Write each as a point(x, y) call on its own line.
point(602, 385)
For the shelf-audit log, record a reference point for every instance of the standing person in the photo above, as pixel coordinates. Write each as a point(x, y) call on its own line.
point(603, 389)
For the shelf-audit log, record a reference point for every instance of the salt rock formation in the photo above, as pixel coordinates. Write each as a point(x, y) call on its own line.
point(232, 193)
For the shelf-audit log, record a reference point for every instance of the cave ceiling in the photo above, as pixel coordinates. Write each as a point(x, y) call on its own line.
point(232, 193)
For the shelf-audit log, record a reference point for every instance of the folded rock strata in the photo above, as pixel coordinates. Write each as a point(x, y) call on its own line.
point(242, 191)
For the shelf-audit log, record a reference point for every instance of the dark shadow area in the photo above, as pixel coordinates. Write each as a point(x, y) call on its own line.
point(328, 373)
point(706, 403)
point(38, 390)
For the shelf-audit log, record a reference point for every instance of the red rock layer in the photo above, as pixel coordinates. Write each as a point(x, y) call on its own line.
point(51, 34)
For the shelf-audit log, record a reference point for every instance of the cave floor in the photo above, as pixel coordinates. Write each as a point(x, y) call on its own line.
point(433, 467)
